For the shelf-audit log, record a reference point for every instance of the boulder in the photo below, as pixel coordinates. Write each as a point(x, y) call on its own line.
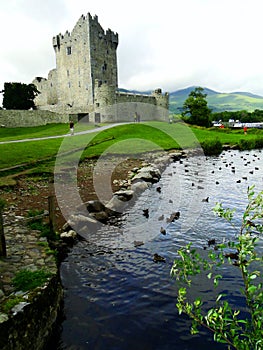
point(139, 186)
point(124, 195)
point(149, 174)
point(94, 206)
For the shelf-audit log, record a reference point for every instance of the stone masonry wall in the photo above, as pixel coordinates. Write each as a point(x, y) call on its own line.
point(30, 322)
point(86, 75)
point(21, 118)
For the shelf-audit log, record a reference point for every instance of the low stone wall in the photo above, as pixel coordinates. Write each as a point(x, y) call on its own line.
point(32, 324)
point(23, 118)
point(31, 321)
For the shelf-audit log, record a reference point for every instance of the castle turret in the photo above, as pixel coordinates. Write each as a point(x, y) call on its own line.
point(85, 79)
point(162, 100)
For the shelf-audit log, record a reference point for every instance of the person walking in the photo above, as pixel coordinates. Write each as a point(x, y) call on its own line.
point(71, 127)
point(245, 129)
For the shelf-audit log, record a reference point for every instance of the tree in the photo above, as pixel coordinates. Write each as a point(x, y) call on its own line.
point(19, 96)
point(196, 109)
point(242, 332)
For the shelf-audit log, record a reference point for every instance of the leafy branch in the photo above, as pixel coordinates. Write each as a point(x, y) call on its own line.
point(228, 325)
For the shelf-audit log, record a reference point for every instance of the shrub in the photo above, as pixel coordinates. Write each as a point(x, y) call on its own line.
point(229, 325)
point(36, 223)
point(26, 280)
point(212, 147)
point(259, 142)
point(12, 301)
point(246, 144)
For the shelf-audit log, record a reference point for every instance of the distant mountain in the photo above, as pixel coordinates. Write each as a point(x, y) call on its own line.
point(247, 94)
point(218, 101)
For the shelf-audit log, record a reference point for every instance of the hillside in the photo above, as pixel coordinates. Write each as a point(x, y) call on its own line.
point(217, 101)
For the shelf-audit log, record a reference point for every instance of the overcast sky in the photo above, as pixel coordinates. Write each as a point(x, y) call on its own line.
point(171, 44)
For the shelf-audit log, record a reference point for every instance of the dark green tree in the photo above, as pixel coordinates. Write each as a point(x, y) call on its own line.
point(19, 96)
point(195, 108)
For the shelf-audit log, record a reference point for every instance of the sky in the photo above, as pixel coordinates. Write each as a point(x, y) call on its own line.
point(167, 44)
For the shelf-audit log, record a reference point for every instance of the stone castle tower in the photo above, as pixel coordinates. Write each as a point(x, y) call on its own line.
point(85, 79)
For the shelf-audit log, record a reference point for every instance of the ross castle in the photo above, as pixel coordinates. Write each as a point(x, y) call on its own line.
point(85, 80)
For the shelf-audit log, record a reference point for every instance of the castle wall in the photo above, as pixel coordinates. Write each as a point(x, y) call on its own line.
point(121, 107)
point(23, 118)
point(86, 76)
point(85, 54)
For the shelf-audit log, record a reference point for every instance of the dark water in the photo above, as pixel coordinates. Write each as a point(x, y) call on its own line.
point(117, 297)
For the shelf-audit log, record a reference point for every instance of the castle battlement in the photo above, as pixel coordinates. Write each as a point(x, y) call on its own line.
point(86, 75)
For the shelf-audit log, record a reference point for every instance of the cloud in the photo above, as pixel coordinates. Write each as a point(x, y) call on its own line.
point(169, 44)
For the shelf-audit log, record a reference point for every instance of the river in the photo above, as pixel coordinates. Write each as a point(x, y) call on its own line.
point(117, 297)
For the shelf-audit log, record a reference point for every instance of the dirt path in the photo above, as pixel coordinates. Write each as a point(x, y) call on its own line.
point(31, 192)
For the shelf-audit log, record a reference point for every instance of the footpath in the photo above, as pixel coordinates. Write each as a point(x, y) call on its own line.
point(105, 127)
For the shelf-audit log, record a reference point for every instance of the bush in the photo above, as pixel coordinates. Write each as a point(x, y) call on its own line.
point(26, 280)
point(259, 142)
point(241, 331)
point(212, 147)
point(12, 301)
point(246, 144)
point(36, 223)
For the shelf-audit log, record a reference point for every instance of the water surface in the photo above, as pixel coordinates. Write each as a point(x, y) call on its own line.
point(117, 297)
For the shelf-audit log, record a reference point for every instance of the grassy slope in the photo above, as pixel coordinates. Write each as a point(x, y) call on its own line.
point(222, 102)
point(7, 134)
point(128, 139)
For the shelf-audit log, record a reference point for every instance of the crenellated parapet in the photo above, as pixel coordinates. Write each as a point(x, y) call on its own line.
point(85, 79)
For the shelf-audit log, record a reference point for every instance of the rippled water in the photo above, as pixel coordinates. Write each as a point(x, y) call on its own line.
point(117, 297)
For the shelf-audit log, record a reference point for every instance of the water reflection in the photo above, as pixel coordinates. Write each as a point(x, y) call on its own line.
point(117, 297)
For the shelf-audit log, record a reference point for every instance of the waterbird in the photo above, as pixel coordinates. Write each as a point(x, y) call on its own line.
point(173, 216)
point(146, 213)
point(211, 242)
point(163, 231)
point(158, 258)
point(138, 243)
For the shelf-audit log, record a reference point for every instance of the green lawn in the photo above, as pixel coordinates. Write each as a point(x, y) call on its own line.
point(8, 134)
point(127, 138)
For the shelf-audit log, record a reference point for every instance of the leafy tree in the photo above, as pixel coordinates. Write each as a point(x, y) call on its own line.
point(196, 109)
point(243, 116)
point(19, 96)
point(242, 332)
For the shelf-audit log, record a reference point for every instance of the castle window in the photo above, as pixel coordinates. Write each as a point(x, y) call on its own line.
point(67, 72)
point(69, 85)
point(79, 84)
point(51, 84)
point(69, 50)
point(97, 104)
point(104, 67)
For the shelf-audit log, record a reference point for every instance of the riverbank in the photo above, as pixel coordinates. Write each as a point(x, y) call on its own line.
point(27, 250)
point(27, 316)
point(117, 296)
